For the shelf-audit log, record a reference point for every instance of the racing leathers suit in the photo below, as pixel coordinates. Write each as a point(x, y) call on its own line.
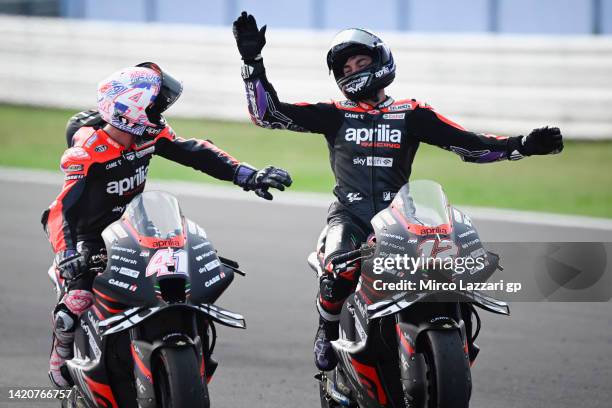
point(101, 177)
point(371, 150)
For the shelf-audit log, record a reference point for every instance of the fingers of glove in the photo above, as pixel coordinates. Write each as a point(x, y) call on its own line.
point(239, 23)
point(75, 259)
point(243, 19)
point(264, 193)
point(270, 182)
point(281, 176)
point(262, 35)
point(250, 25)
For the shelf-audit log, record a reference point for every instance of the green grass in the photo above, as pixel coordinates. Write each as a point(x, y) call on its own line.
point(578, 181)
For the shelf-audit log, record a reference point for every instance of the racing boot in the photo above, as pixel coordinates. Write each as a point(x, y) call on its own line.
point(65, 318)
point(325, 358)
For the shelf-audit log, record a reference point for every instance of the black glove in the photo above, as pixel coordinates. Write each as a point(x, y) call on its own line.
point(249, 39)
point(70, 263)
point(544, 140)
point(251, 179)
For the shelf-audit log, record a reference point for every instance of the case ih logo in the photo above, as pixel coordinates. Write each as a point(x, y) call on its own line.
point(123, 285)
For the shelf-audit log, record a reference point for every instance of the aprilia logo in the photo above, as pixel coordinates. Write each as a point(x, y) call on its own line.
point(129, 183)
point(384, 70)
point(382, 133)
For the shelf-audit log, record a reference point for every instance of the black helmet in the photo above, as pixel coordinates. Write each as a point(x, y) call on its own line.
point(365, 83)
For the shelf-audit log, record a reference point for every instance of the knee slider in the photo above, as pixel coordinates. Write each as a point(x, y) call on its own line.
point(78, 301)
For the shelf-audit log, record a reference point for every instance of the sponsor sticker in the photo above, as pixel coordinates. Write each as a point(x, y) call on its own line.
point(144, 152)
point(129, 272)
point(77, 153)
point(393, 116)
point(214, 279)
point(123, 285)
point(401, 107)
point(91, 140)
point(200, 245)
point(373, 161)
point(113, 164)
point(351, 197)
point(388, 195)
point(101, 148)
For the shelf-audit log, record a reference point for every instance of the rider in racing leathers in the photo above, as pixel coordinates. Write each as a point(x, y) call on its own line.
point(372, 142)
point(105, 168)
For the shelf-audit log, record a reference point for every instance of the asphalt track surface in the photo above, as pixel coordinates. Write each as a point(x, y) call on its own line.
point(544, 355)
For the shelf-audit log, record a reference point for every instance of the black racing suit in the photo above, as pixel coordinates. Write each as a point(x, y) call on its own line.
point(371, 149)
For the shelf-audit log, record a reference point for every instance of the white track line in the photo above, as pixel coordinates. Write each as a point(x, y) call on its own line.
point(316, 200)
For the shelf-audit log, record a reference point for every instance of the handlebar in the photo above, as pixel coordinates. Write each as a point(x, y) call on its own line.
point(349, 256)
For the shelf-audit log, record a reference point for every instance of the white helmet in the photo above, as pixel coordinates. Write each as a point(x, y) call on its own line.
point(134, 98)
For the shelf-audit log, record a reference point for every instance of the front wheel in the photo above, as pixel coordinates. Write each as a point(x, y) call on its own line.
point(448, 371)
point(177, 379)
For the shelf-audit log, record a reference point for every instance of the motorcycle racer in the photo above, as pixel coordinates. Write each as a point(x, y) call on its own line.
point(372, 141)
point(105, 167)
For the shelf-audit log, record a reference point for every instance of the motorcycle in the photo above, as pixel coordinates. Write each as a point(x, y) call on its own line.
point(147, 341)
point(406, 336)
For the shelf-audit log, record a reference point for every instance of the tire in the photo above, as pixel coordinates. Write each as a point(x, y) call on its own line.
point(177, 379)
point(449, 382)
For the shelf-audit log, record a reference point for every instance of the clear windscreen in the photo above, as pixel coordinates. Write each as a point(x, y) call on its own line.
point(423, 202)
point(155, 214)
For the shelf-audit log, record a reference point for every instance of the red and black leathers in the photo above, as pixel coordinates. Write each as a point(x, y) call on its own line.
point(102, 177)
point(371, 148)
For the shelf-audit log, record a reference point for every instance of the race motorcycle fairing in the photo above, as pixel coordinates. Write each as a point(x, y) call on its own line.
point(155, 295)
point(396, 348)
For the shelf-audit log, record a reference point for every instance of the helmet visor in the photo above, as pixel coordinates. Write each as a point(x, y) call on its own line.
point(171, 89)
point(355, 36)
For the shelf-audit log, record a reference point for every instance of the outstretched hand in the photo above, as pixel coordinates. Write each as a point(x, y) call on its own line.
point(262, 180)
point(249, 39)
point(544, 140)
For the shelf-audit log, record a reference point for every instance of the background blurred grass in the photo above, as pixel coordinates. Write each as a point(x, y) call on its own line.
point(578, 181)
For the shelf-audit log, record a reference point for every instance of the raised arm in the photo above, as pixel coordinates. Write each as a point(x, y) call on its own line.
point(433, 128)
point(265, 108)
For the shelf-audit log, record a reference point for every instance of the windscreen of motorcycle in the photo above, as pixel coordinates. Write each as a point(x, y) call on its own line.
point(156, 218)
point(421, 239)
point(417, 220)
